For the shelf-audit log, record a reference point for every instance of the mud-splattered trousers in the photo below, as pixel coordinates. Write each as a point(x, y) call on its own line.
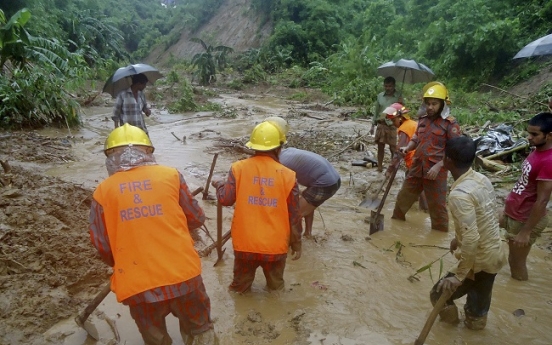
point(430, 139)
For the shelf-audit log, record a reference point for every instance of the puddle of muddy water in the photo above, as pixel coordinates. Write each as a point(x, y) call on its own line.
point(347, 288)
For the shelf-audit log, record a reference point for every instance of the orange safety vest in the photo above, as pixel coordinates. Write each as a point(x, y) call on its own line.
point(147, 230)
point(261, 217)
point(408, 127)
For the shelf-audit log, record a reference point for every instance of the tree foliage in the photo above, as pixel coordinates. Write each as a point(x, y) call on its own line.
point(209, 61)
point(20, 53)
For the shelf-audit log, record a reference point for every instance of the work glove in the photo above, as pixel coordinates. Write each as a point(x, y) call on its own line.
point(450, 283)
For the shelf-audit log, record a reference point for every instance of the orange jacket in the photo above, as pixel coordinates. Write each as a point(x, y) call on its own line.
point(147, 230)
point(408, 127)
point(261, 220)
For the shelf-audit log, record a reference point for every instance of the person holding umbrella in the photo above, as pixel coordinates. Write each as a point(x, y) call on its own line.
point(386, 133)
point(130, 104)
point(426, 173)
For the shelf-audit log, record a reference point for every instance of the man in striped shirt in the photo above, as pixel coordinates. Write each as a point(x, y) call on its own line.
point(131, 103)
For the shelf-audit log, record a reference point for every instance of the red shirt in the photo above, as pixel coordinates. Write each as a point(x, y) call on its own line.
point(537, 166)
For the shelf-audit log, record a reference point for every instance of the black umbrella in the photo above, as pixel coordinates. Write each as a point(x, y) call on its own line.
point(541, 46)
point(121, 79)
point(408, 71)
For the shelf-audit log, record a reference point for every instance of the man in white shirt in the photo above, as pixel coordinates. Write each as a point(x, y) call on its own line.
point(477, 245)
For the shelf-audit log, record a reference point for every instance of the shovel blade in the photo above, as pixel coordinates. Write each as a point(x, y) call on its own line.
point(376, 222)
point(370, 202)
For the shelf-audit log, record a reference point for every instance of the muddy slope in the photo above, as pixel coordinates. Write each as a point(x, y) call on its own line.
point(236, 25)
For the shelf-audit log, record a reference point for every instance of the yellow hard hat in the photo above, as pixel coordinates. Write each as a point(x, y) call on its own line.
point(436, 91)
point(282, 126)
point(126, 135)
point(265, 137)
point(434, 83)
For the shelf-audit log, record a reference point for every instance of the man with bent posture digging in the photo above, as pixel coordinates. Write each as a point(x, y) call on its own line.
point(140, 222)
point(477, 244)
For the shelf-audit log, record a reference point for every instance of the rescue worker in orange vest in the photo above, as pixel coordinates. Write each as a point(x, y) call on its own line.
point(140, 222)
point(312, 170)
point(400, 116)
point(266, 215)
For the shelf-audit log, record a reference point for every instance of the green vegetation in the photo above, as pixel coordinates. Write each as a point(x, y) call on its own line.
point(52, 49)
point(209, 61)
point(33, 97)
point(335, 46)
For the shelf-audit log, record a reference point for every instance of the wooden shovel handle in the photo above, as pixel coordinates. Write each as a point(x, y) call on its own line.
point(81, 318)
point(206, 189)
point(219, 229)
point(389, 183)
point(431, 318)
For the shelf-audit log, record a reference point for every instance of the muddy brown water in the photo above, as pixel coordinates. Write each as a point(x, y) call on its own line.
point(347, 288)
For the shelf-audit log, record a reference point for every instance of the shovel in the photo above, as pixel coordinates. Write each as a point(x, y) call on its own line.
point(376, 218)
point(373, 200)
point(82, 318)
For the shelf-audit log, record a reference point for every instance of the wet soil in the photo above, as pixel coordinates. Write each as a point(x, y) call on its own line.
point(348, 288)
point(47, 265)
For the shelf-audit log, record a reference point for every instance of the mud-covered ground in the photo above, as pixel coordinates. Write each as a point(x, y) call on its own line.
point(49, 270)
point(47, 264)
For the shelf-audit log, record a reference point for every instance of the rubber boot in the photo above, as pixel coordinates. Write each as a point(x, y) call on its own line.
point(475, 323)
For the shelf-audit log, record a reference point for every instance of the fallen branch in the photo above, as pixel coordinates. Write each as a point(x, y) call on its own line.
point(207, 250)
point(428, 246)
point(348, 146)
point(489, 165)
point(177, 138)
point(363, 120)
point(197, 191)
point(313, 117)
point(500, 154)
point(91, 98)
